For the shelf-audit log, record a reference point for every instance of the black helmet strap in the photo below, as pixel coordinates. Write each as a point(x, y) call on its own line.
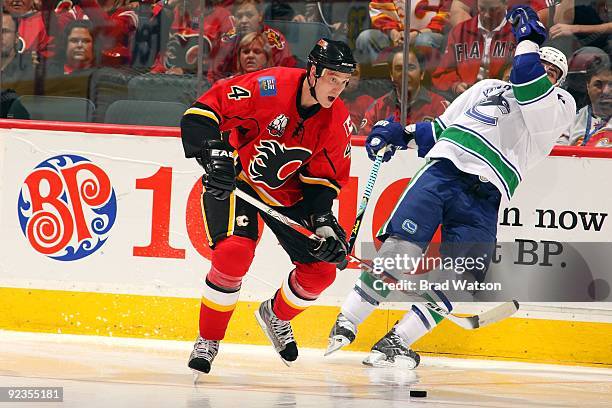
point(318, 73)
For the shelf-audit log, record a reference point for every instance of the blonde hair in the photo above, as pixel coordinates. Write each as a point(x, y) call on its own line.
point(249, 39)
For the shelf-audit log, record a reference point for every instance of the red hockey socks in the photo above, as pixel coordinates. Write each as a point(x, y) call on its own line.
point(231, 260)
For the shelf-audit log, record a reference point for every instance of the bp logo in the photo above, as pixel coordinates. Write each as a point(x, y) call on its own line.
point(67, 207)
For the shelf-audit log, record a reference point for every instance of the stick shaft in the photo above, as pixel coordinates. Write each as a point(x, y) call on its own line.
point(470, 322)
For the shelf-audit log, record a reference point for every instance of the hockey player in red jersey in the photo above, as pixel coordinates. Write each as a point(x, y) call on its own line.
point(290, 149)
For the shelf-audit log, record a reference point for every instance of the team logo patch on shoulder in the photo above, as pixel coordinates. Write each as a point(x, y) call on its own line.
point(274, 38)
point(278, 125)
point(267, 86)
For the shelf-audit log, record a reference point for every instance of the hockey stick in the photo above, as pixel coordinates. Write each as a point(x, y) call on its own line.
point(363, 205)
point(467, 322)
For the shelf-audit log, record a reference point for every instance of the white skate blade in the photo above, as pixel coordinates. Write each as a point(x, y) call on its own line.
point(196, 376)
point(335, 343)
point(263, 326)
point(379, 360)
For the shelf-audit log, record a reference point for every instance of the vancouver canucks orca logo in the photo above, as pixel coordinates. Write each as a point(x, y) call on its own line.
point(275, 162)
point(496, 100)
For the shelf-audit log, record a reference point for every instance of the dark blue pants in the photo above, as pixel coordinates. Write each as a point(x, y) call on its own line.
point(463, 204)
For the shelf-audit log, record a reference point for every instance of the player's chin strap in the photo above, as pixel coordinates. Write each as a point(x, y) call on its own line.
point(317, 75)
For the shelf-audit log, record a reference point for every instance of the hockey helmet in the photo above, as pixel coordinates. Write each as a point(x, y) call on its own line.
point(333, 55)
point(557, 58)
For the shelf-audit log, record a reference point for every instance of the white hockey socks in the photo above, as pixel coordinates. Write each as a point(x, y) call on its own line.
point(356, 309)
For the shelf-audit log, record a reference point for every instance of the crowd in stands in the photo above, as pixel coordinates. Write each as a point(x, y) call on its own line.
point(59, 47)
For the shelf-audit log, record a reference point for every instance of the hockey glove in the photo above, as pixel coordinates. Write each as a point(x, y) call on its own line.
point(334, 248)
point(220, 174)
point(526, 25)
point(386, 133)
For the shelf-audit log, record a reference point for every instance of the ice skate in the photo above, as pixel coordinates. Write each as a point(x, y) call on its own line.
point(202, 356)
point(392, 351)
point(342, 334)
point(278, 331)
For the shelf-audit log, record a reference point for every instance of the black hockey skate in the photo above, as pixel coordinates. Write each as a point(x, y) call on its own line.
point(342, 334)
point(392, 351)
point(202, 356)
point(278, 331)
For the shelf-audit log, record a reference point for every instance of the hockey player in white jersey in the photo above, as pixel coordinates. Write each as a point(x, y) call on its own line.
point(477, 154)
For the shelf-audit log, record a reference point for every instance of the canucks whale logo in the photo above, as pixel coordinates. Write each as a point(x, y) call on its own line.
point(67, 207)
point(486, 116)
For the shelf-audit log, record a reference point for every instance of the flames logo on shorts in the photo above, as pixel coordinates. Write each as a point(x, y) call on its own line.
point(274, 39)
point(275, 162)
point(67, 207)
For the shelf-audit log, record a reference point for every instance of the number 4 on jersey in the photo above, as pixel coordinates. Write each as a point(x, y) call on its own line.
point(238, 93)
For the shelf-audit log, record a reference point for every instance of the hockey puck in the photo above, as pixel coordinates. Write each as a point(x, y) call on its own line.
point(418, 393)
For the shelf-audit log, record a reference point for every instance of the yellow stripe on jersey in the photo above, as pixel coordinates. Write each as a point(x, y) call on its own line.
point(202, 112)
point(321, 181)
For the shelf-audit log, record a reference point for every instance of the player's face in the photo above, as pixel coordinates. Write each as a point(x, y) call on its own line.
point(553, 72)
point(599, 89)
point(491, 13)
point(330, 86)
point(79, 50)
point(9, 36)
point(253, 57)
point(247, 19)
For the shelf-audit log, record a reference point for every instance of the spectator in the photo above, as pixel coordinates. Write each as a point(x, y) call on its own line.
point(423, 104)
point(76, 50)
point(463, 10)
point(427, 25)
point(576, 81)
point(586, 22)
point(114, 24)
point(16, 73)
point(180, 56)
point(16, 69)
point(66, 11)
point(34, 36)
point(355, 100)
point(592, 125)
point(254, 53)
point(248, 18)
point(476, 49)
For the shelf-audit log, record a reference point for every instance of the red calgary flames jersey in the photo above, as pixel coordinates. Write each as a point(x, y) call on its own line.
point(279, 149)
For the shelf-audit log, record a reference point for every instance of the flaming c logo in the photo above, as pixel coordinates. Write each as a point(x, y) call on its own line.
point(67, 207)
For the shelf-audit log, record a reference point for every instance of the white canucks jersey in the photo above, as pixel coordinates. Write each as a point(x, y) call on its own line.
point(498, 130)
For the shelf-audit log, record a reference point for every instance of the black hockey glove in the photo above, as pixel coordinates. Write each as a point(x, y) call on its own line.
point(333, 249)
point(219, 178)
